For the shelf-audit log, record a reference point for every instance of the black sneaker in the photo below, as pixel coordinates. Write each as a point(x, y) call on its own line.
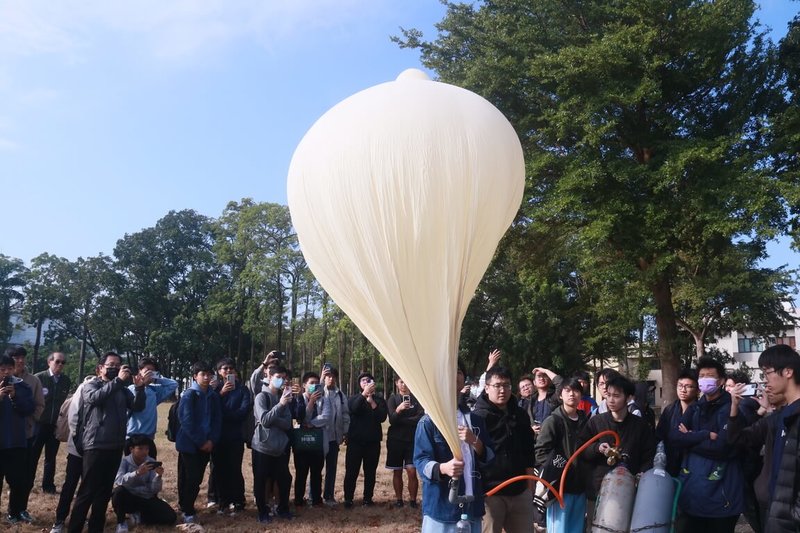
point(25, 516)
point(413, 504)
point(368, 503)
point(348, 504)
point(398, 504)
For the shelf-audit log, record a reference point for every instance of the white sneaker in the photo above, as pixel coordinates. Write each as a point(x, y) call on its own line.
point(122, 528)
point(210, 504)
point(188, 519)
point(57, 528)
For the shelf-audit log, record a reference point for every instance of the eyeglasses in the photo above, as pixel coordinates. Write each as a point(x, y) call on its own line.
point(685, 387)
point(500, 386)
point(226, 368)
point(59, 361)
point(766, 373)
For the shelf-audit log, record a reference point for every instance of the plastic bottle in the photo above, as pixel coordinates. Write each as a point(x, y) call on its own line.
point(464, 525)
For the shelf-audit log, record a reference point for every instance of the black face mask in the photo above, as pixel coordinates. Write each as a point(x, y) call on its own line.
point(111, 373)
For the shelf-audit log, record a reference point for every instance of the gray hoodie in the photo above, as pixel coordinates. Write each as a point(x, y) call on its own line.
point(147, 485)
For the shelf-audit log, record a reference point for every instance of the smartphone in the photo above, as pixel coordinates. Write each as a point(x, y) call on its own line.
point(295, 381)
point(327, 366)
point(155, 464)
point(750, 389)
point(406, 398)
point(230, 378)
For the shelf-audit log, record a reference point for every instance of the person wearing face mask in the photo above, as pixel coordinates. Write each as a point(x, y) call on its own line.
point(712, 497)
point(270, 445)
point(105, 403)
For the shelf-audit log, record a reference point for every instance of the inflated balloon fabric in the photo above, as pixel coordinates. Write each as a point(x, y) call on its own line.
point(399, 195)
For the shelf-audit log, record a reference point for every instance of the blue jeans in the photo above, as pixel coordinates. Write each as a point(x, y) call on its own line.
point(429, 525)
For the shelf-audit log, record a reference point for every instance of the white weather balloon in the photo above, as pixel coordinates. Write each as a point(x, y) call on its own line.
point(399, 195)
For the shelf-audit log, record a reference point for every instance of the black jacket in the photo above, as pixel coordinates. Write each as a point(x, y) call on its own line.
point(365, 422)
point(562, 434)
point(513, 443)
point(403, 425)
point(636, 440)
point(784, 510)
point(104, 412)
point(56, 395)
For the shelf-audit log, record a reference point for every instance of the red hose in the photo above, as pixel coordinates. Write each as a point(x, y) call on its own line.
point(560, 493)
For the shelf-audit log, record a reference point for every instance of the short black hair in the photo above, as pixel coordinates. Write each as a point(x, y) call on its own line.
point(364, 375)
point(16, 351)
point(569, 383)
point(738, 376)
point(708, 362)
point(687, 373)
point(582, 374)
point(779, 357)
point(498, 371)
point(226, 361)
point(333, 372)
point(606, 373)
point(201, 366)
point(148, 361)
point(139, 440)
point(103, 358)
point(278, 369)
point(309, 375)
point(525, 377)
point(621, 383)
point(6, 360)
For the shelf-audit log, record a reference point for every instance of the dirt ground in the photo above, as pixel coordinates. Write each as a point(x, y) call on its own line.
point(309, 520)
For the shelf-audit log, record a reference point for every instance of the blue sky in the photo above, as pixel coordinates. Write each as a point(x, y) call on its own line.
point(114, 113)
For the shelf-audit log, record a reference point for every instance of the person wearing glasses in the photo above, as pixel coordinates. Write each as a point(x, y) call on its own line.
point(102, 421)
point(225, 482)
point(777, 487)
point(602, 377)
point(55, 388)
point(509, 427)
point(672, 415)
point(158, 389)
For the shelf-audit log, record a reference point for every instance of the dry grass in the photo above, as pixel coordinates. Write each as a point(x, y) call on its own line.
point(308, 520)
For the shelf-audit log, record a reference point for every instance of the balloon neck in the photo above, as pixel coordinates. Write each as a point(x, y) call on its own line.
point(454, 497)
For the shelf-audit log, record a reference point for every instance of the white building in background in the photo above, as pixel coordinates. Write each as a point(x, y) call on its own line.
point(742, 345)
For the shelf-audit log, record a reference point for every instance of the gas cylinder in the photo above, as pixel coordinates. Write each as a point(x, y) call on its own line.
point(615, 502)
point(652, 511)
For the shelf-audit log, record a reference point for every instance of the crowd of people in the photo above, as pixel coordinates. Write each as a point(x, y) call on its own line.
point(735, 452)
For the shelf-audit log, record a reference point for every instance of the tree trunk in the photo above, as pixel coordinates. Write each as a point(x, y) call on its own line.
point(36, 345)
point(667, 340)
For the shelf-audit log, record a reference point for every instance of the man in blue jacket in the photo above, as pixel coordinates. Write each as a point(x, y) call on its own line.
point(712, 496)
point(201, 423)
point(157, 390)
point(16, 403)
point(435, 462)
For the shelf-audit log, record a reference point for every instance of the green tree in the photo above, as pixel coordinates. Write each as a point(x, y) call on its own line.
point(643, 123)
point(43, 296)
point(12, 283)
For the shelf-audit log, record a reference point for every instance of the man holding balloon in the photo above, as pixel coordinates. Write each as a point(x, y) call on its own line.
point(437, 465)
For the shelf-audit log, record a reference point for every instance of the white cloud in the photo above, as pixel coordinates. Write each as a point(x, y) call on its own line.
point(164, 28)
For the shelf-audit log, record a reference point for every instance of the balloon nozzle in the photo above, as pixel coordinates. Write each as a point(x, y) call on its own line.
point(453, 496)
point(615, 455)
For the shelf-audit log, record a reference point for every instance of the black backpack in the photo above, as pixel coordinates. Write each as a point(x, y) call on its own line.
point(648, 415)
point(174, 421)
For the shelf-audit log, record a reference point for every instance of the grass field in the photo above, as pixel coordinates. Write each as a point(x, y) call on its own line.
point(329, 520)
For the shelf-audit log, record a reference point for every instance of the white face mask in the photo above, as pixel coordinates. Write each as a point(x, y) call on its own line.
point(277, 383)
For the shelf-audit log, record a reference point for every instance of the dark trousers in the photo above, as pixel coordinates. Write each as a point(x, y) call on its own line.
point(330, 469)
point(268, 469)
point(13, 468)
point(30, 472)
point(697, 524)
point(152, 510)
point(226, 482)
point(46, 439)
point(71, 479)
point(305, 462)
point(99, 470)
point(357, 452)
point(191, 468)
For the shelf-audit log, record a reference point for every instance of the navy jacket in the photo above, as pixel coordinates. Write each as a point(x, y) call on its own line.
point(201, 419)
point(235, 407)
point(13, 413)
